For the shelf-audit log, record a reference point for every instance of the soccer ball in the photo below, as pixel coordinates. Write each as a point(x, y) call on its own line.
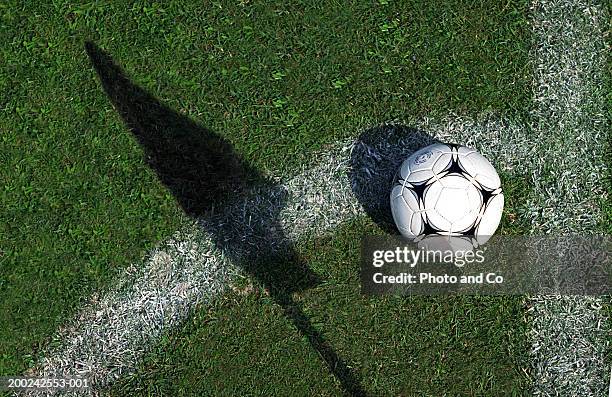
point(447, 190)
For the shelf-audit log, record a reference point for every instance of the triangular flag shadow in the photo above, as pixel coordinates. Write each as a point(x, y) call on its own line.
point(203, 172)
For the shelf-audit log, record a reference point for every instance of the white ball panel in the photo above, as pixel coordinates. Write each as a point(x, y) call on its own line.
point(487, 181)
point(419, 166)
point(431, 195)
point(405, 211)
point(437, 220)
point(464, 151)
point(396, 192)
point(416, 224)
point(490, 218)
point(481, 169)
point(404, 169)
point(442, 163)
point(458, 199)
point(474, 198)
point(455, 181)
point(414, 228)
point(431, 199)
point(411, 199)
point(420, 176)
point(453, 204)
point(401, 212)
point(465, 223)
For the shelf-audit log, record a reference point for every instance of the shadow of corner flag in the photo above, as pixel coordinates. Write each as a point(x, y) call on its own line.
point(198, 166)
point(203, 172)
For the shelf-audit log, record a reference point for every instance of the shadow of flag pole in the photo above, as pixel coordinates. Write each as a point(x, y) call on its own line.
point(203, 172)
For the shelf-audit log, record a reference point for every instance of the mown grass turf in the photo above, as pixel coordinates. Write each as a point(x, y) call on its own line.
point(399, 346)
point(279, 81)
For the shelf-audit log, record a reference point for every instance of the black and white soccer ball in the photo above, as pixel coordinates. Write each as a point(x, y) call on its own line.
point(447, 190)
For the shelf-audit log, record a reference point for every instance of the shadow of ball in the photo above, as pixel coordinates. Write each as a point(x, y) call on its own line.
point(376, 156)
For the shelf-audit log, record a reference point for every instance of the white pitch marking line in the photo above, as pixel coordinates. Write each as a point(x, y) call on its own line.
point(568, 344)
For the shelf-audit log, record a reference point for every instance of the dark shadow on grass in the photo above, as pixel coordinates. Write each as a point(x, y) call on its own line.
point(375, 159)
point(206, 175)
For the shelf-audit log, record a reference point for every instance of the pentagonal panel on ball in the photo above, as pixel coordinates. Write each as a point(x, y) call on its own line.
point(453, 204)
point(458, 198)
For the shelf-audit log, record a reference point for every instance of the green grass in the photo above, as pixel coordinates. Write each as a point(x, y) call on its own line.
point(517, 190)
point(468, 346)
point(279, 81)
